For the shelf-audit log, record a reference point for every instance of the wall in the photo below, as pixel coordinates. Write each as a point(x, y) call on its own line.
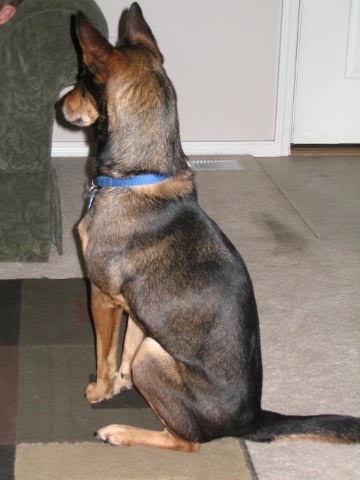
point(223, 60)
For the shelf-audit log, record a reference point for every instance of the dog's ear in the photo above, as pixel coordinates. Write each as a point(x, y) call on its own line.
point(139, 33)
point(96, 49)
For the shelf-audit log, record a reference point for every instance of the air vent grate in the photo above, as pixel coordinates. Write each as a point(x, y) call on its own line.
point(215, 164)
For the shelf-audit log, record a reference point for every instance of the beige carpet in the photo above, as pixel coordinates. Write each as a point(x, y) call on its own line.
point(296, 222)
point(222, 459)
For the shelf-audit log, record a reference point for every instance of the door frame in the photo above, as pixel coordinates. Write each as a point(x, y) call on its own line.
point(289, 39)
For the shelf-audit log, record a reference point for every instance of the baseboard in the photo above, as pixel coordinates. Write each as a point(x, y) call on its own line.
point(70, 149)
point(256, 148)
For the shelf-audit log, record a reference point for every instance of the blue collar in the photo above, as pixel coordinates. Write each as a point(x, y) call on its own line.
point(135, 181)
point(103, 181)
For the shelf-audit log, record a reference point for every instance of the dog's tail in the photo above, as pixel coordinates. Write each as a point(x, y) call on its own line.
point(326, 428)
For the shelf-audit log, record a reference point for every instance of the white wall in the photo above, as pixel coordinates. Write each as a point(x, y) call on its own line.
point(222, 57)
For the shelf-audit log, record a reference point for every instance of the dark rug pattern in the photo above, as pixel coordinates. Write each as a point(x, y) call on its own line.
point(47, 357)
point(46, 353)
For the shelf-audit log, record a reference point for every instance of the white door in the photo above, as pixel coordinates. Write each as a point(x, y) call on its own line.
point(327, 90)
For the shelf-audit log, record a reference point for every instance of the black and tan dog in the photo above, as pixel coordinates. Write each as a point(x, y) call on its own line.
point(192, 344)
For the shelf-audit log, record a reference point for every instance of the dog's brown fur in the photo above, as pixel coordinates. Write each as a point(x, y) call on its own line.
point(192, 345)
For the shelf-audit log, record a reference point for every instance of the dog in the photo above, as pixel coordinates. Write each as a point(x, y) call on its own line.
point(192, 344)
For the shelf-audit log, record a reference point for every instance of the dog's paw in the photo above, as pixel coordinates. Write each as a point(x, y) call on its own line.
point(122, 382)
point(116, 435)
point(97, 392)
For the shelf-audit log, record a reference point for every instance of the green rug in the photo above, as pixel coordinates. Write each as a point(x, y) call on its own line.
point(47, 358)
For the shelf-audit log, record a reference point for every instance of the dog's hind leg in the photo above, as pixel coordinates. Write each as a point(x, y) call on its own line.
point(157, 376)
point(107, 319)
point(133, 338)
point(131, 436)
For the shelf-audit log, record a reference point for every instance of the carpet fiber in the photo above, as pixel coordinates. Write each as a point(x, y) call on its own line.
point(47, 357)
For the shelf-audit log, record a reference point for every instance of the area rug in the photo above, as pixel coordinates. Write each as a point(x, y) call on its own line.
point(46, 360)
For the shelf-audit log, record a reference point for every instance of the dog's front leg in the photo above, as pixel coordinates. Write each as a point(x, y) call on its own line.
point(133, 339)
point(107, 318)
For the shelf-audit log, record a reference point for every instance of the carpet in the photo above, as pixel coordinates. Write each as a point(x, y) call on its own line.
point(296, 223)
point(47, 358)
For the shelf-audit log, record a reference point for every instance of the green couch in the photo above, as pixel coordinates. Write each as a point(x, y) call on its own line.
point(37, 60)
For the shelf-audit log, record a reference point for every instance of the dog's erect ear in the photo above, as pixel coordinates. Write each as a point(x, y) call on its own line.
point(96, 49)
point(139, 33)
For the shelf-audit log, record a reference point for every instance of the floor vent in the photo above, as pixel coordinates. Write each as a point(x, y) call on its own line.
point(215, 164)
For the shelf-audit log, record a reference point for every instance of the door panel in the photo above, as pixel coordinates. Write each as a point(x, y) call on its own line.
point(327, 95)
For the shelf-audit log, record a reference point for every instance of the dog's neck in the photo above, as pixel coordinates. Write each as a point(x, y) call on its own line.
point(123, 159)
point(148, 143)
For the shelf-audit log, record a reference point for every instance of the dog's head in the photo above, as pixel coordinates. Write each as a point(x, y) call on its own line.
point(126, 93)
